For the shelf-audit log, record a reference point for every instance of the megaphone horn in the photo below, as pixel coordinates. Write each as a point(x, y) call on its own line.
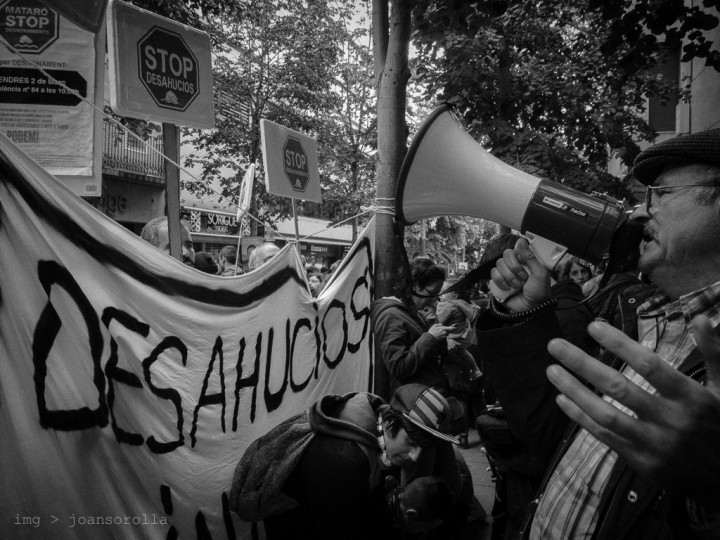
point(446, 172)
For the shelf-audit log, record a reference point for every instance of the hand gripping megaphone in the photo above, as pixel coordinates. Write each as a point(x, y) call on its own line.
point(446, 172)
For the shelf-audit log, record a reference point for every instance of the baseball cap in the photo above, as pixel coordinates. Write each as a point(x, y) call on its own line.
point(700, 147)
point(426, 408)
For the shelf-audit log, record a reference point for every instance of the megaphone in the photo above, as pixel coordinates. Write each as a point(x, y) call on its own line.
point(446, 172)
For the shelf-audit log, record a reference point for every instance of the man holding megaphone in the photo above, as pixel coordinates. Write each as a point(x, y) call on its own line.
point(641, 458)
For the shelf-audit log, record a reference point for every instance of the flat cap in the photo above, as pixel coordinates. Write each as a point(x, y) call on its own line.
point(700, 147)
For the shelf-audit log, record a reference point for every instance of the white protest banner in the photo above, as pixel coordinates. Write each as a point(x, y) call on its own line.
point(130, 384)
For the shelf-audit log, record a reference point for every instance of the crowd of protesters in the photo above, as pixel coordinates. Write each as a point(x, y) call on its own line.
point(228, 264)
point(595, 394)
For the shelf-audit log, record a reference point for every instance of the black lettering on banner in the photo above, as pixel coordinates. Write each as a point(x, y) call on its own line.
point(357, 315)
point(293, 385)
point(241, 354)
point(274, 400)
point(167, 504)
point(170, 394)
point(316, 332)
point(206, 399)
point(46, 331)
point(166, 499)
point(2, 214)
point(201, 529)
point(229, 528)
point(113, 372)
point(332, 364)
point(172, 533)
point(251, 381)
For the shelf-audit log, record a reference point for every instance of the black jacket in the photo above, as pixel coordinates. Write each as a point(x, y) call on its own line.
point(409, 352)
point(515, 359)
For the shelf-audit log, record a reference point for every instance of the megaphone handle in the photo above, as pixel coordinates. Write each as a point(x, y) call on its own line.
point(546, 251)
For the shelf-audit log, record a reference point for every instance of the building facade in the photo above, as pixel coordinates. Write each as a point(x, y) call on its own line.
point(213, 229)
point(676, 116)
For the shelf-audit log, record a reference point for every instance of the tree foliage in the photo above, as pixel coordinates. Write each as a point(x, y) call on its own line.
point(450, 240)
point(296, 64)
point(273, 61)
point(349, 140)
point(554, 86)
point(191, 12)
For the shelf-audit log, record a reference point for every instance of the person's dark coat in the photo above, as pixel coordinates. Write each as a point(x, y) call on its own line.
point(409, 352)
point(318, 475)
point(515, 359)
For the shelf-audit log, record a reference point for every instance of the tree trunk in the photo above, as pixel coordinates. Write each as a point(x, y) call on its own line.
point(504, 93)
point(392, 38)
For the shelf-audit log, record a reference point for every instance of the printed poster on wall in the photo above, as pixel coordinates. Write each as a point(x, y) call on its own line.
point(60, 131)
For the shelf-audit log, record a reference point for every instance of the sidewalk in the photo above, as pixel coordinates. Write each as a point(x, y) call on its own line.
point(482, 482)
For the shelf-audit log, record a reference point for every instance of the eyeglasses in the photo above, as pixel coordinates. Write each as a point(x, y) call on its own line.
point(650, 189)
point(431, 293)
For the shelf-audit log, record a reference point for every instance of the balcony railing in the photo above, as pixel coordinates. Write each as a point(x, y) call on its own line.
point(123, 152)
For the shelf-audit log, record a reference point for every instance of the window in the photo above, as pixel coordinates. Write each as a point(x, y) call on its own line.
point(661, 109)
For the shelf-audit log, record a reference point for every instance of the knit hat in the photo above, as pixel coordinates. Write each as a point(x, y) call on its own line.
point(426, 408)
point(701, 147)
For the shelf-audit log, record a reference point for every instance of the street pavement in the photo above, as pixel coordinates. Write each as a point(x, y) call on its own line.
point(483, 485)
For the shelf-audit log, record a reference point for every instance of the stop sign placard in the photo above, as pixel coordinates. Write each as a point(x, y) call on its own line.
point(158, 69)
point(291, 162)
point(296, 164)
point(168, 69)
point(28, 25)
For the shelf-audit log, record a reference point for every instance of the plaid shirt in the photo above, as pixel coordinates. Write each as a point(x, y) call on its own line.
point(569, 506)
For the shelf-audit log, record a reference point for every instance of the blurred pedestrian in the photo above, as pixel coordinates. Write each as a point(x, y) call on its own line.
point(227, 262)
point(262, 254)
point(205, 263)
point(155, 232)
point(315, 282)
point(409, 341)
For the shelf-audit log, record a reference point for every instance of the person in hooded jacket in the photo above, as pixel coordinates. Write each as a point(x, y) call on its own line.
point(408, 338)
point(321, 474)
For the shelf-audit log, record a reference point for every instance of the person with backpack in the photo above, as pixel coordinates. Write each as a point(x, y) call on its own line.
point(320, 474)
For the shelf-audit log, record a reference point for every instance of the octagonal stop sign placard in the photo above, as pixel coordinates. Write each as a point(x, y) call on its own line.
point(168, 69)
point(28, 25)
point(296, 164)
point(291, 162)
point(159, 69)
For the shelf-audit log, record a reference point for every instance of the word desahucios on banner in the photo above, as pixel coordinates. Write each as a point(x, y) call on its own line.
point(130, 384)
